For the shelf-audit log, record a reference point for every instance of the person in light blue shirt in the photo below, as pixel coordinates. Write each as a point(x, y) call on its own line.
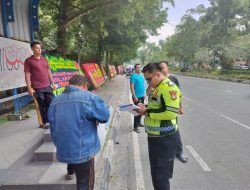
point(138, 90)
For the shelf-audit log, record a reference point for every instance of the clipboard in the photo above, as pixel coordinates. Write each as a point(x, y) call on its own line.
point(130, 108)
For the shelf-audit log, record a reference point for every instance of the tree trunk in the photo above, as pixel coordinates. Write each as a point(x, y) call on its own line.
point(61, 31)
point(107, 62)
point(99, 52)
point(111, 57)
point(79, 56)
point(82, 13)
point(65, 20)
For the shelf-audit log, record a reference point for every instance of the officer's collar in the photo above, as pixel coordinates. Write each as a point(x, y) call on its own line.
point(161, 82)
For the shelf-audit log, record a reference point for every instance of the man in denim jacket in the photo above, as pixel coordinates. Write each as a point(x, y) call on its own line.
point(73, 117)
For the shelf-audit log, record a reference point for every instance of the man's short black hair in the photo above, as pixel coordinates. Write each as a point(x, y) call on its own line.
point(78, 80)
point(152, 67)
point(32, 44)
point(136, 65)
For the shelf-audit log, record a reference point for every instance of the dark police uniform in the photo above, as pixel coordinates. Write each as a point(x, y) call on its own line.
point(179, 149)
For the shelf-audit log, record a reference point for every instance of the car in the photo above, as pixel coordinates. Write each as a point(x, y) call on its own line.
point(237, 67)
point(129, 72)
point(245, 67)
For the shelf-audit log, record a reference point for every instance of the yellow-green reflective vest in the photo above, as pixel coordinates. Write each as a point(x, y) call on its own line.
point(162, 110)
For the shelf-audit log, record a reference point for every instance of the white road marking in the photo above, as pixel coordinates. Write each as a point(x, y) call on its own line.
point(220, 114)
point(228, 91)
point(241, 124)
point(138, 166)
point(137, 158)
point(198, 159)
point(187, 98)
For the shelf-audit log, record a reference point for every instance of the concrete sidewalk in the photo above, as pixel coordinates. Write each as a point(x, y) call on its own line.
point(19, 140)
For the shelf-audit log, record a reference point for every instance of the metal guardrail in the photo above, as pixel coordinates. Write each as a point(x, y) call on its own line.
point(18, 101)
point(13, 97)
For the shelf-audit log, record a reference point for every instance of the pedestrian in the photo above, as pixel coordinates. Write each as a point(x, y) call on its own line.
point(73, 117)
point(137, 87)
point(39, 81)
point(179, 151)
point(160, 124)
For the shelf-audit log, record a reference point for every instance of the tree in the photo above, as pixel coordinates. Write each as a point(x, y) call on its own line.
point(204, 55)
point(186, 41)
point(214, 37)
point(92, 29)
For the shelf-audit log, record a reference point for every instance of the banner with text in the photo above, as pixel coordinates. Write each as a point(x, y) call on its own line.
point(112, 71)
point(120, 69)
point(94, 74)
point(12, 56)
point(62, 70)
point(104, 73)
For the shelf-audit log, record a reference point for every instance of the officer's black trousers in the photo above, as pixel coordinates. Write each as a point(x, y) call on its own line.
point(161, 155)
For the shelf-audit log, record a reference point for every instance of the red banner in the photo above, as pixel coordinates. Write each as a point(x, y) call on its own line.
point(94, 73)
point(120, 69)
point(112, 71)
point(104, 73)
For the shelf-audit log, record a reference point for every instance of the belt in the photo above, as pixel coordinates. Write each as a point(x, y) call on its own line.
point(161, 129)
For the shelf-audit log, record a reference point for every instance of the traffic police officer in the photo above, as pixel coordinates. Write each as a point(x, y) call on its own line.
point(160, 124)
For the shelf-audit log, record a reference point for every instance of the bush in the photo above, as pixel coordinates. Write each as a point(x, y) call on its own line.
point(183, 69)
point(235, 72)
point(243, 74)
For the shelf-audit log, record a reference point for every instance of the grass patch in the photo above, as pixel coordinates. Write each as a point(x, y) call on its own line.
point(3, 119)
point(241, 74)
point(29, 107)
point(26, 109)
point(232, 74)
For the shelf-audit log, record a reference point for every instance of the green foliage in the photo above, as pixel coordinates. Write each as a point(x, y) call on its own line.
point(218, 38)
point(239, 49)
point(3, 119)
point(203, 55)
point(48, 28)
point(108, 30)
point(242, 74)
point(226, 61)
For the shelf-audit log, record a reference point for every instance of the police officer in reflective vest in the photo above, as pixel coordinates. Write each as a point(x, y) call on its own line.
point(160, 124)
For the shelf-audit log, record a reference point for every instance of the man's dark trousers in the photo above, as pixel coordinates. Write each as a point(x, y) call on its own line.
point(44, 97)
point(161, 156)
point(85, 176)
point(137, 119)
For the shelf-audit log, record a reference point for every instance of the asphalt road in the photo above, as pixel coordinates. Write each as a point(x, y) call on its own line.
point(215, 131)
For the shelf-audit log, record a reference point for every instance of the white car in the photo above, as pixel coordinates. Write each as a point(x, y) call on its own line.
point(244, 67)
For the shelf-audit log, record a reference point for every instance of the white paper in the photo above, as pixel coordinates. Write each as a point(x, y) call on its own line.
point(130, 108)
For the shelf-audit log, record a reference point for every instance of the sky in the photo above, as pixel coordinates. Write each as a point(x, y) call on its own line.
point(174, 17)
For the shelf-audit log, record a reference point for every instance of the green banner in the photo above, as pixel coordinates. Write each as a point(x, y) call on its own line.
point(62, 70)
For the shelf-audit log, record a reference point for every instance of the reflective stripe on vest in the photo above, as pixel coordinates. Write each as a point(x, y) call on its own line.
point(175, 110)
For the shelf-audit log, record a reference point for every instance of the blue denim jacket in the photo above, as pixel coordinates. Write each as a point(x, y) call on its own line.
point(73, 116)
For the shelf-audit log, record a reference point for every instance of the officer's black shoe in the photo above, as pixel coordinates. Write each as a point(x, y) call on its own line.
point(136, 130)
point(182, 158)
